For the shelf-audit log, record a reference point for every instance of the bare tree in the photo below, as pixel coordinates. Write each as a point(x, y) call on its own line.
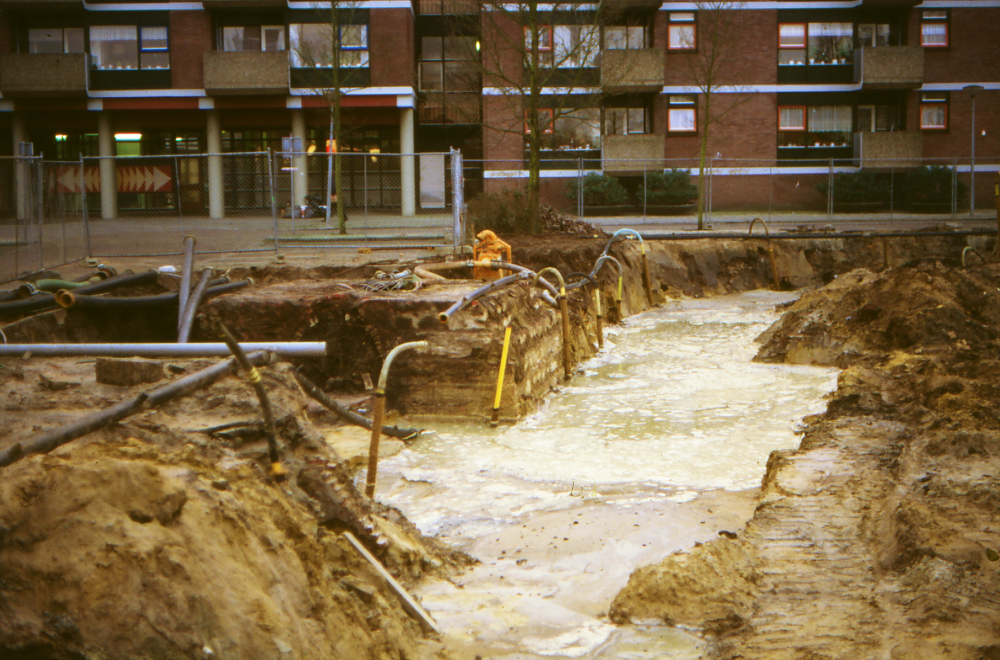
point(325, 49)
point(542, 77)
point(719, 49)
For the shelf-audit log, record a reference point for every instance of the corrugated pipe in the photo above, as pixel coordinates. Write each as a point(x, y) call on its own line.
point(319, 395)
point(49, 440)
point(187, 317)
point(38, 302)
point(75, 300)
point(285, 349)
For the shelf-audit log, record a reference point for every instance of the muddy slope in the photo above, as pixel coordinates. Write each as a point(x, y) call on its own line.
point(153, 540)
point(875, 538)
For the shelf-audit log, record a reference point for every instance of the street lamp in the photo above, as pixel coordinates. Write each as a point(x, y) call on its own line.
point(973, 90)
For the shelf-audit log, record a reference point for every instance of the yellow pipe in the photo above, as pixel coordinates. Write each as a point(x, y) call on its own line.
point(495, 419)
point(564, 308)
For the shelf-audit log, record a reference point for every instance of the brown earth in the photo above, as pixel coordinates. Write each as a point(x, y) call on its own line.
point(876, 538)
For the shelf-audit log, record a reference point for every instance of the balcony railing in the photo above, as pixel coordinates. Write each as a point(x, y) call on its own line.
point(889, 67)
point(632, 153)
point(889, 149)
point(246, 72)
point(23, 74)
point(632, 70)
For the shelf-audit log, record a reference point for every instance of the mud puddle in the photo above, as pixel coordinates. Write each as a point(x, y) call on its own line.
point(657, 445)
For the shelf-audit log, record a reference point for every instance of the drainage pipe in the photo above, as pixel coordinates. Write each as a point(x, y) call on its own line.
point(429, 271)
point(9, 295)
point(49, 440)
point(770, 251)
point(253, 377)
point(495, 417)
point(284, 349)
point(31, 288)
point(185, 288)
point(379, 413)
point(467, 299)
point(38, 302)
point(564, 309)
point(219, 287)
point(319, 395)
point(647, 281)
point(187, 317)
point(600, 319)
point(621, 274)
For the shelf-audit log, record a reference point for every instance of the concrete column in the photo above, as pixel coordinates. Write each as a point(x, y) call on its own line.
point(109, 177)
point(408, 184)
point(301, 176)
point(216, 207)
point(21, 172)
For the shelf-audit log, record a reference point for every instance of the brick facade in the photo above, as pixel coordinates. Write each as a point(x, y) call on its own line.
point(390, 44)
point(190, 38)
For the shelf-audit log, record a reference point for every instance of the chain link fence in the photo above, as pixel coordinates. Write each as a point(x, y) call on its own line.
point(52, 213)
point(837, 192)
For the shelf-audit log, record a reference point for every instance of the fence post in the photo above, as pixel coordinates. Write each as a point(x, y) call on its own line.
point(86, 211)
point(177, 192)
point(829, 194)
point(329, 176)
point(645, 190)
point(274, 209)
point(892, 189)
point(770, 191)
point(457, 199)
point(40, 208)
point(711, 181)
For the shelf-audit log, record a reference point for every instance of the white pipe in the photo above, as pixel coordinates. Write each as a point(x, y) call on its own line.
point(214, 349)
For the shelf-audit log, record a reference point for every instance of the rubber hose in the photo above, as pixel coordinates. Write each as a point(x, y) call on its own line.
point(36, 303)
point(75, 300)
point(322, 397)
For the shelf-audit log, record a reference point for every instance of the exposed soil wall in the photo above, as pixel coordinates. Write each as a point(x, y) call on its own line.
point(877, 536)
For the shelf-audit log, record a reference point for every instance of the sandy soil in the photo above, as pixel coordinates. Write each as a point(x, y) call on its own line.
point(877, 537)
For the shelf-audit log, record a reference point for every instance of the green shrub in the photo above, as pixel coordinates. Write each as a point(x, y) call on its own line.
point(505, 212)
point(932, 185)
point(599, 190)
point(670, 188)
point(857, 187)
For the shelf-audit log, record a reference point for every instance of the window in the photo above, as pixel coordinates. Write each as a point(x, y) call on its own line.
point(544, 121)
point(127, 47)
point(681, 115)
point(830, 43)
point(449, 77)
point(681, 31)
point(626, 121)
point(544, 39)
point(311, 45)
point(577, 130)
point(934, 28)
point(621, 37)
point(57, 41)
point(253, 37)
point(872, 35)
point(934, 111)
point(814, 126)
point(576, 45)
point(792, 44)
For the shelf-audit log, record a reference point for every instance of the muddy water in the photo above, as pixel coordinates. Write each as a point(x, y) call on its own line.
point(655, 446)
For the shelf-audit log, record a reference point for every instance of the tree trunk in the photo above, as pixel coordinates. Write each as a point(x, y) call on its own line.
point(702, 147)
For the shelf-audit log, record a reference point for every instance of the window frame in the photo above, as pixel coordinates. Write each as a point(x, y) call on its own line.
point(691, 103)
point(805, 36)
point(692, 23)
point(541, 47)
point(944, 102)
point(944, 21)
point(548, 125)
point(804, 128)
point(63, 36)
point(295, 58)
point(153, 50)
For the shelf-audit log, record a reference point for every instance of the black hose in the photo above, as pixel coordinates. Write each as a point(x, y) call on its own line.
point(319, 395)
point(118, 281)
point(492, 286)
point(49, 440)
point(584, 277)
point(37, 302)
point(265, 404)
point(6, 296)
point(218, 287)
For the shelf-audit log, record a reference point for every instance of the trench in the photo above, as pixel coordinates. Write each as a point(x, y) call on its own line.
point(659, 443)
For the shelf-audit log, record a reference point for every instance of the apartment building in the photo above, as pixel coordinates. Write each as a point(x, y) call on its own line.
point(877, 83)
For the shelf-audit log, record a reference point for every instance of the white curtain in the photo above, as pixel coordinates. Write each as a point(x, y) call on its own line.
point(114, 47)
point(830, 118)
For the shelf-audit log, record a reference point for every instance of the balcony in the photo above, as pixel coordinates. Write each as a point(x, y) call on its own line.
point(246, 72)
point(889, 149)
point(889, 67)
point(632, 70)
point(22, 74)
point(625, 154)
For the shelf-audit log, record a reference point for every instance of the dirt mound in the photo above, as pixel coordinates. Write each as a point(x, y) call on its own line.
point(877, 537)
point(147, 540)
point(920, 307)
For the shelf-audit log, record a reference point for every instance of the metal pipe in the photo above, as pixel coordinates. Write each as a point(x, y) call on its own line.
point(770, 251)
point(187, 316)
point(467, 299)
point(379, 413)
point(621, 235)
point(185, 289)
point(564, 310)
point(319, 395)
point(495, 418)
point(49, 440)
point(621, 278)
point(69, 300)
point(686, 236)
point(974, 251)
point(284, 349)
point(253, 377)
point(600, 319)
